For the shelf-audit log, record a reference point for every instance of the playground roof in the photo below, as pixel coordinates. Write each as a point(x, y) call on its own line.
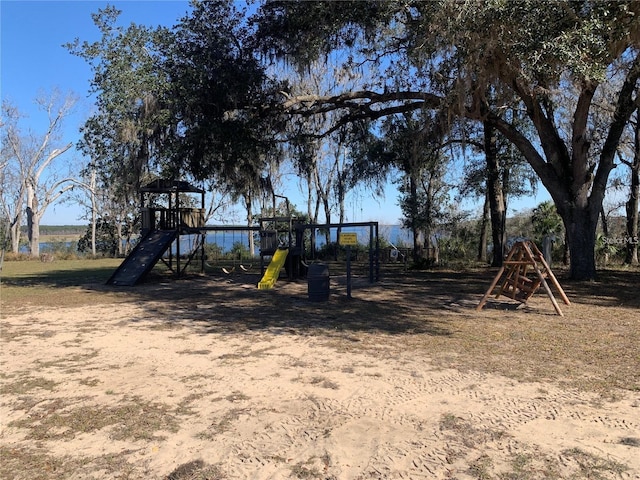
point(170, 186)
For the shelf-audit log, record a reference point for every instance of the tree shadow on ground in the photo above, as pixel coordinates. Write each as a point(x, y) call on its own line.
point(619, 288)
point(417, 302)
point(233, 305)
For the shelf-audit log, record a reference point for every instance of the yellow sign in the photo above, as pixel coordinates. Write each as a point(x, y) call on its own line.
point(348, 239)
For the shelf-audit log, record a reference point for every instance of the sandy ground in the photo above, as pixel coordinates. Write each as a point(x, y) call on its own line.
point(135, 390)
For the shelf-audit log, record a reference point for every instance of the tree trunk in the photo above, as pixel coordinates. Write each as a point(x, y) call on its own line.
point(93, 232)
point(581, 226)
point(415, 231)
point(121, 240)
point(33, 227)
point(496, 196)
point(327, 214)
point(565, 250)
point(94, 210)
point(14, 231)
point(33, 222)
point(249, 210)
point(431, 242)
point(484, 224)
point(605, 232)
point(632, 205)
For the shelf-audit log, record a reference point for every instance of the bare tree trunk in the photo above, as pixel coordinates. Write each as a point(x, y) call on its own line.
point(247, 204)
point(33, 222)
point(633, 203)
point(496, 196)
point(581, 233)
point(94, 210)
point(605, 232)
point(484, 224)
point(327, 213)
point(120, 236)
point(14, 232)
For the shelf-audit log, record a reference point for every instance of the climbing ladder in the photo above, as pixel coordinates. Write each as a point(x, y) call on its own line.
point(142, 258)
point(521, 275)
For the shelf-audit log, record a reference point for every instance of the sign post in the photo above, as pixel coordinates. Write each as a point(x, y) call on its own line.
point(348, 239)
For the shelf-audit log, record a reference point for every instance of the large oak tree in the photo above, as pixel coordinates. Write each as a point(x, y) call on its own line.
point(452, 51)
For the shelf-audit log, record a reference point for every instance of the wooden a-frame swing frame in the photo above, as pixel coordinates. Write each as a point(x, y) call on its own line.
point(524, 258)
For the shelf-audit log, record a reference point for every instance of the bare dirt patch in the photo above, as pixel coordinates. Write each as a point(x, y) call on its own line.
point(208, 377)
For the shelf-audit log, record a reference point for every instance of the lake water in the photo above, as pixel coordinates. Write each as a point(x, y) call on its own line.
point(394, 234)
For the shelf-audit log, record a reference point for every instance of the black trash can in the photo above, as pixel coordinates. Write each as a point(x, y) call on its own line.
point(318, 282)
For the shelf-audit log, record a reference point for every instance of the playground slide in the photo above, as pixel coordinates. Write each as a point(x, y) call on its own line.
point(273, 270)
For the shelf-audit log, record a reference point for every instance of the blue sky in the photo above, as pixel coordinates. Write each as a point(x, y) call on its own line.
point(33, 60)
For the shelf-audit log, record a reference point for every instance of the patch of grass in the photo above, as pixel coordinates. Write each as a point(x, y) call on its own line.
point(324, 382)
point(309, 469)
point(195, 470)
point(246, 353)
point(184, 407)
point(465, 433)
point(62, 273)
point(18, 463)
point(194, 352)
point(134, 419)
point(45, 284)
point(89, 382)
point(25, 385)
point(70, 362)
point(319, 381)
point(236, 396)
point(594, 467)
point(530, 466)
point(164, 326)
point(448, 421)
point(630, 441)
point(481, 467)
point(223, 424)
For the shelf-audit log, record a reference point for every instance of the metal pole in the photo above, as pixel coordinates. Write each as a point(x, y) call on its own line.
point(348, 271)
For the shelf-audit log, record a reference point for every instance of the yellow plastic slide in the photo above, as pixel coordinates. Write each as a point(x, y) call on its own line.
point(273, 270)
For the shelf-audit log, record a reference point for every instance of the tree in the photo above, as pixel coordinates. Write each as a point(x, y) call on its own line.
point(507, 176)
point(324, 163)
point(126, 136)
point(180, 103)
point(219, 92)
point(101, 237)
point(35, 165)
point(413, 144)
point(13, 188)
point(546, 220)
point(456, 50)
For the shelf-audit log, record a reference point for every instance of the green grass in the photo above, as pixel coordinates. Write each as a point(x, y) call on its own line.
point(46, 284)
point(59, 272)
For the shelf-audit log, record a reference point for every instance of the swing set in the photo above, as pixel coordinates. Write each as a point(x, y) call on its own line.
point(222, 256)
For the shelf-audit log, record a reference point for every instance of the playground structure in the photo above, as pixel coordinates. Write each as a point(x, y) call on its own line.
point(164, 220)
point(173, 211)
point(523, 272)
point(300, 240)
